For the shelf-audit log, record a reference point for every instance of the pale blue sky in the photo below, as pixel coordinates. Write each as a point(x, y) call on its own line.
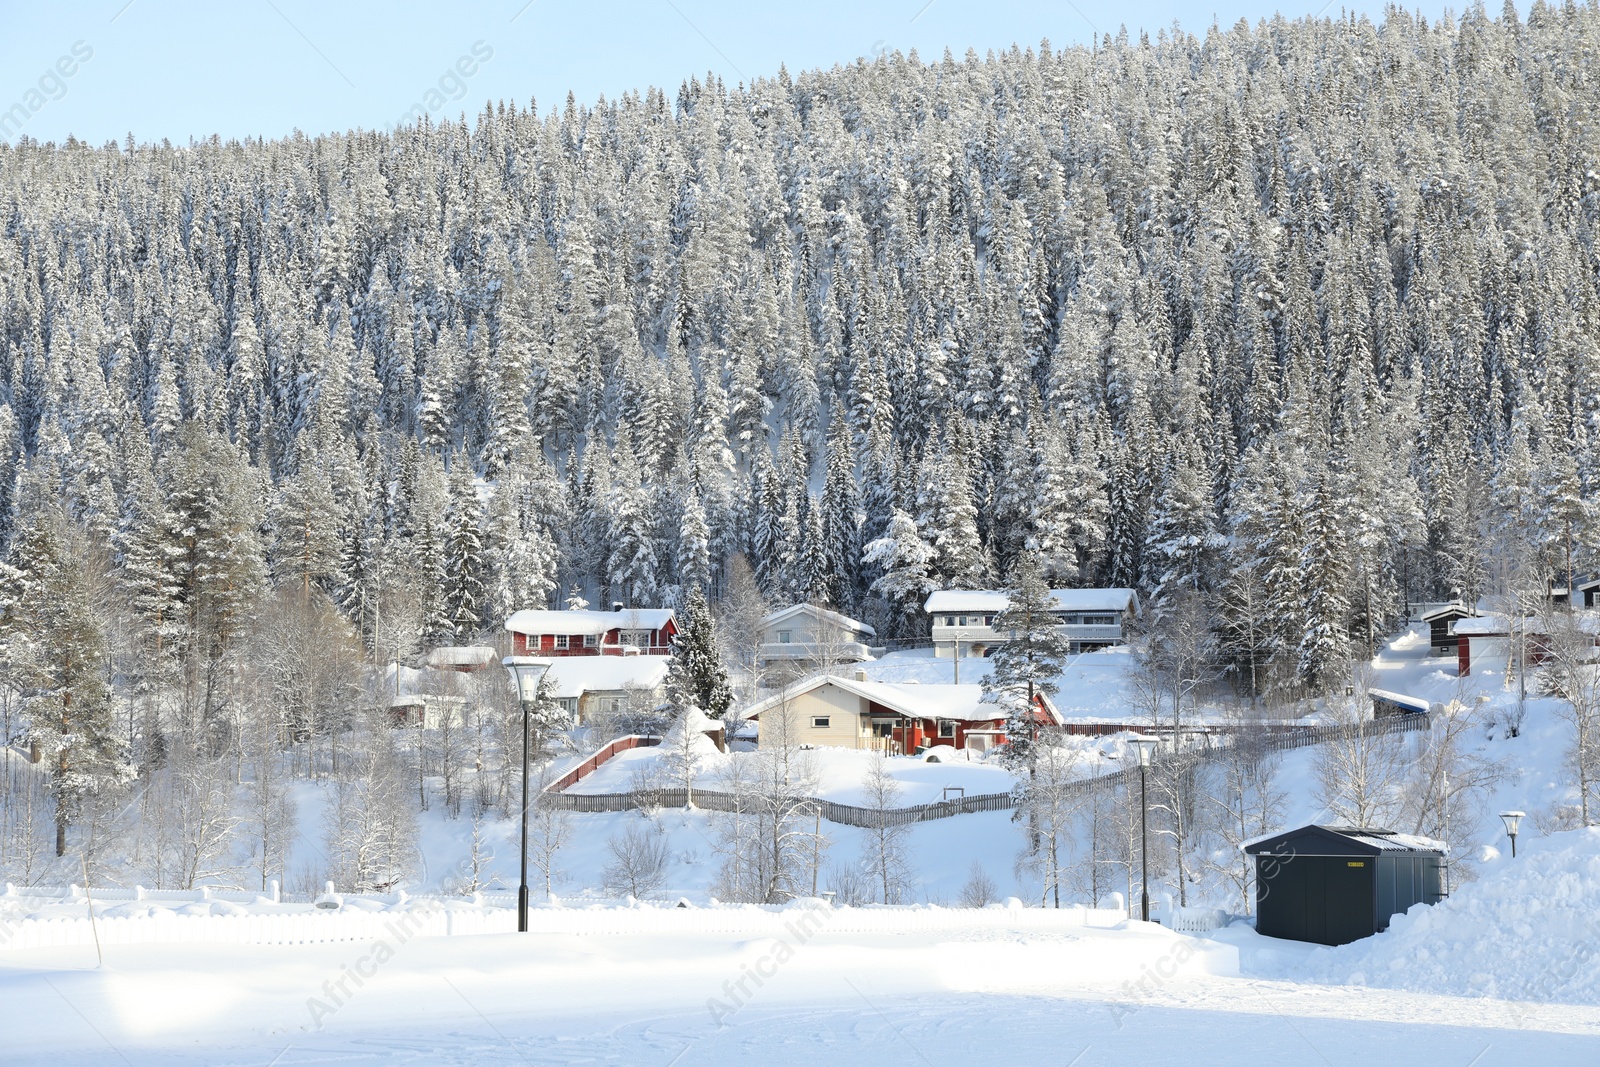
point(178, 69)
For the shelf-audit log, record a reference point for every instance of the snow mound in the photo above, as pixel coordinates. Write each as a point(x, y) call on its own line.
point(1529, 930)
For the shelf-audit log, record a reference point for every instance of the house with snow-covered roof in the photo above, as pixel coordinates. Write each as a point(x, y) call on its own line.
point(803, 639)
point(963, 619)
point(1441, 622)
point(622, 631)
point(591, 687)
point(1496, 640)
point(464, 658)
point(895, 717)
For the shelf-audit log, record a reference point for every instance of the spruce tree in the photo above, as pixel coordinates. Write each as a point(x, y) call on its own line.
point(1029, 662)
point(54, 645)
point(696, 676)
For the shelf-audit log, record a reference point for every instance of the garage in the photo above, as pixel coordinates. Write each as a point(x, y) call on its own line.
point(1331, 885)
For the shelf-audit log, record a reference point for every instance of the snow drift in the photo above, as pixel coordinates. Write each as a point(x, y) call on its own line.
point(1528, 930)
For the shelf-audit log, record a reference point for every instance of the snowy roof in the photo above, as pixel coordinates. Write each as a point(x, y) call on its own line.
point(911, 699)
point(1399, 699)
point(570, 677)
point(1445, 611)
point(1345, 839)
point(844, 622)
point(1486, 626)
point(986, 600)
point(587, 622)
point(1501, 625)
point(462, 656)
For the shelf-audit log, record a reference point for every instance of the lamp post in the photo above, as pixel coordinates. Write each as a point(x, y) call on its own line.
point(1144, 744)
point(1511, 819)
point(526, 673)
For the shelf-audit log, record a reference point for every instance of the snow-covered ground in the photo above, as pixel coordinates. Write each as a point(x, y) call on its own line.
point(818, 986)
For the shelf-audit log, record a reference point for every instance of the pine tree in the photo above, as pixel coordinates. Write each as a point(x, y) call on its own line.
point(53, 642)
point(902, 559)
point(466, 599)
point(696, 677)
point(1027, 665)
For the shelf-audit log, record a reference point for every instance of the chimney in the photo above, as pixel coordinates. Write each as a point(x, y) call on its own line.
point(616, 605)
point(861, 676)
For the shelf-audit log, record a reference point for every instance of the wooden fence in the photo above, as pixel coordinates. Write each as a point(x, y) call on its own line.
point(605, 752)
point(1208, 748)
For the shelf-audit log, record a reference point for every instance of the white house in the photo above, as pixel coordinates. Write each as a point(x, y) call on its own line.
point(963, 619)
point(802, 639)
point(596, 686)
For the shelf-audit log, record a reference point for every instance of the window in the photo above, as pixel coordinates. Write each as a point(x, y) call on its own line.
point(636, 638)
point(820, 722)
point(589, 640)
point(784, 636)
point(1099, 620)
point(561, 640)
point(947, 728)
point(568, 704)
point(963, 621)
point(1067, 618)
point(883, 728)
point(949, 620)
point(988, 620)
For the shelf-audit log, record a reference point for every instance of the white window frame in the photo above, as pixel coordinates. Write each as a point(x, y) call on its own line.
point(785, 637)
point(821, 722)
point(589, 640)
point(561, 642)
point(947, 728)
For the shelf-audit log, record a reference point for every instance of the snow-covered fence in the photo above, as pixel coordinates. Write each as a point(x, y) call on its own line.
point(1196, 920)
point(423, 919)
point(161, 926)
point(74, 893)
point(604, 753)
point(852, 815)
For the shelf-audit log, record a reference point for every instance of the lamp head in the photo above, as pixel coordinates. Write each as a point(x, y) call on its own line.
point(526, 672)
point(1144, 744)
point(1511, 819)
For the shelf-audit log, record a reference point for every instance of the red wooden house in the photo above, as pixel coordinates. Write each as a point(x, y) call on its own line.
point(618, 632)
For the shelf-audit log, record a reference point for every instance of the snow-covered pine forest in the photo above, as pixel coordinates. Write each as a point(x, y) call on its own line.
point(1301, 317)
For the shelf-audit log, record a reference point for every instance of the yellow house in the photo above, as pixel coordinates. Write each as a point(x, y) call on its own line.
point(903, 717)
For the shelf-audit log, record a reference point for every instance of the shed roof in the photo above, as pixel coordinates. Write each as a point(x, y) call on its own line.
point(529, 621)
point(986, 600)
point(1317, 840)
point(1456, 610)
point(1399, 699)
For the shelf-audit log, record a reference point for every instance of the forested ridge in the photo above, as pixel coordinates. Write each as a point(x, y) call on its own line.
point(1300, 316)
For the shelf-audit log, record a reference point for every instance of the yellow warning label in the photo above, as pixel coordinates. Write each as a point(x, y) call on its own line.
point(1356, 863)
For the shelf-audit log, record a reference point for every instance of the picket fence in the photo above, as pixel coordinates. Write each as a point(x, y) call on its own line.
point(432, 919)
point(75, 893)
point(1206, 750)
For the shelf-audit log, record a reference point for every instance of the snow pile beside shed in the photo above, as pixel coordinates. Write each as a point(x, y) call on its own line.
point(1529, 930)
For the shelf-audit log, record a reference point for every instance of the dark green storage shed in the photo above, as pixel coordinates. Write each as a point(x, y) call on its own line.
point(1331, 885)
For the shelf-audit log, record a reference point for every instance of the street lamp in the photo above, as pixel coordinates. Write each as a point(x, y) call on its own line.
point(526, 673)
point(1144, 744)
point(1511, 819)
